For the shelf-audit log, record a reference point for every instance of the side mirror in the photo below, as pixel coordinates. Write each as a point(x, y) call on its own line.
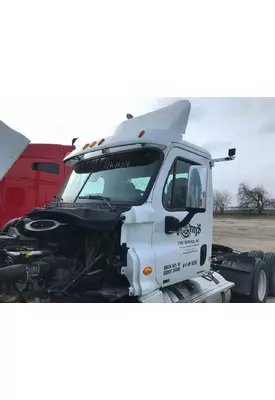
point(231, 153)
point(195, 199)
point(196, 190)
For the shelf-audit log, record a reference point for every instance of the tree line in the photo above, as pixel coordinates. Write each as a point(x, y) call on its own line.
point(250, 199)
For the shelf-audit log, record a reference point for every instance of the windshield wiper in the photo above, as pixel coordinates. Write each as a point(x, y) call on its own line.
point(98, 197)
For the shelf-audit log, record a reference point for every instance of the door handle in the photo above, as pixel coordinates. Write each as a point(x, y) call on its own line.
point(203, 254)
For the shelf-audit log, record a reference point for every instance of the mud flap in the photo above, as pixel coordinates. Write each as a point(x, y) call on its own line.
point(240, 269)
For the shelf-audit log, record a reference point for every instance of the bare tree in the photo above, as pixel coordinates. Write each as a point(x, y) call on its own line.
point(215, 202)
point(221, 200)
point(253, 199)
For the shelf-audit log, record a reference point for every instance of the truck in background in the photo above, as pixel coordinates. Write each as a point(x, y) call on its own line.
point(33, 179)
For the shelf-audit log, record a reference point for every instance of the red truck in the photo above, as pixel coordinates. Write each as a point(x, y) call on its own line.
point(30, 174)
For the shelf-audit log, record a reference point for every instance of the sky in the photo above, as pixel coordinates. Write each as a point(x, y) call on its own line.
point(217, 124)
point(66, 49)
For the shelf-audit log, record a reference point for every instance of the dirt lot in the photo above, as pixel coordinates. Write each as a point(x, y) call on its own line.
point(245, 234)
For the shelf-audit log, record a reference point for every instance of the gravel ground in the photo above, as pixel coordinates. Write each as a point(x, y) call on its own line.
point(245, 235)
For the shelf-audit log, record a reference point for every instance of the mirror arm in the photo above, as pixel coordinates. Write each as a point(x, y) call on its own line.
point(173, 225)
point(191, 213)
point(186, 220)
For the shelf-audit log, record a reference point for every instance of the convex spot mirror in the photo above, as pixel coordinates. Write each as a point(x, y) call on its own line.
point(197, 189)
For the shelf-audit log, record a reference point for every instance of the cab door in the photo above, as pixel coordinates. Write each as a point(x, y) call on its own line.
point(184, 254)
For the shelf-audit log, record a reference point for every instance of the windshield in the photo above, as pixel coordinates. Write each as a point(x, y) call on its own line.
point(123, 177)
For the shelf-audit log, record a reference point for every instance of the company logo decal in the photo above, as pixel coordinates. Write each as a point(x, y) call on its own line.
point(188, 230)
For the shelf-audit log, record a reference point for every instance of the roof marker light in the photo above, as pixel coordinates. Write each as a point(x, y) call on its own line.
point(85, 147)
point(101, 141)
point(93, 144)
point(141, 134)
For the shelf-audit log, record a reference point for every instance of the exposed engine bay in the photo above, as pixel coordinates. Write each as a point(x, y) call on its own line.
point(63, 254)
point(71, 250)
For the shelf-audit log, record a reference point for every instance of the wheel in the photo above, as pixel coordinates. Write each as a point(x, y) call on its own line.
point(256, 254)
point(260, 284)
point(269, 259)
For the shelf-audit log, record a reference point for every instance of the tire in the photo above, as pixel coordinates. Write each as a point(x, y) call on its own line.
point(260, 284)
point(269, 259)
point(256, 254)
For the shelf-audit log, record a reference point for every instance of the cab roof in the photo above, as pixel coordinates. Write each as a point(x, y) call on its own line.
point(160, 128)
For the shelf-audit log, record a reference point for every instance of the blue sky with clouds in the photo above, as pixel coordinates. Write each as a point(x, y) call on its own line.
point(215, 123)
point(245, 123)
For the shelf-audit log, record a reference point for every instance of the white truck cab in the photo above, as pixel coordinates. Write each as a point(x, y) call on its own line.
point(167, 184)
point(132, 224)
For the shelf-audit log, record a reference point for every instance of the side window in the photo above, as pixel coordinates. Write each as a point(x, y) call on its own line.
point(50, 168)
point(175, 190)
